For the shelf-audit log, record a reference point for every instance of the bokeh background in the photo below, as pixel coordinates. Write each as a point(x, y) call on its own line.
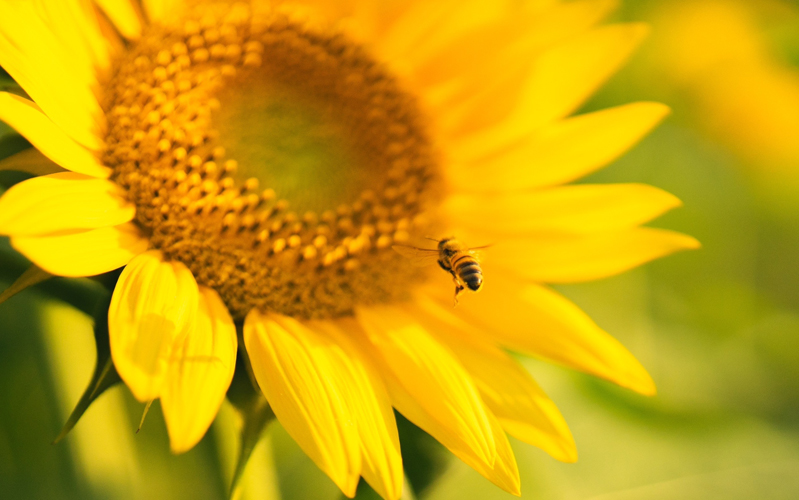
point(718, 328)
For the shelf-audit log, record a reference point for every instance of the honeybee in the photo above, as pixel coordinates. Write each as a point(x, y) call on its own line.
point(454, 257)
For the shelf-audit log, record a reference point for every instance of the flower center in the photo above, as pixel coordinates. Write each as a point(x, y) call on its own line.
point(287, 144)
point(280, 164)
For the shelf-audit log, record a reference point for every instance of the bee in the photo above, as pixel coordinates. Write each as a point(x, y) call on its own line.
point(452, 256)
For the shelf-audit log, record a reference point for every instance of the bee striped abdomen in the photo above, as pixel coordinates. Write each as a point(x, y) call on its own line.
point(468, 271)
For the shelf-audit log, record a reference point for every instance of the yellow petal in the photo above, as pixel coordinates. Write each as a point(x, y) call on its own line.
point(300, 378)
point(32, 161)
point(54, 61)
point(74, 25)
point(576, 209)
point(364, 21)
point(83, 253)
point(557, 154)
point(507, 389)
point(432, 377)
point(501, 470)
point(124, 17)
point(504, 472)
point(562, 20)
point(162, 11)
point(511, 39)
point(560, 80)
point(62, 202)
point(564, 77)
point(489, 68)
point(412, 28)
point(152, 310)
point(199, 374)
point(27, 119)
point(368, 400)
point(574, 259)
point(485, 43)
point(538, 321)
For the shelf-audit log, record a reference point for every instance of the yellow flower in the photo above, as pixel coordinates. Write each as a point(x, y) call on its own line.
point(366, 125)
point(718, 54)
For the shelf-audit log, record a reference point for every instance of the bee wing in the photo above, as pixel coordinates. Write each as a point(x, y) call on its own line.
point(476, 251)
point(418, 256)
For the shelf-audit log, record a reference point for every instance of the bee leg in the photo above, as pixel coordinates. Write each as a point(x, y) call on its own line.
point(458, 290)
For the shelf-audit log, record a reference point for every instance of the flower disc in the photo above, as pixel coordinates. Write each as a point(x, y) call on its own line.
point(279, 163)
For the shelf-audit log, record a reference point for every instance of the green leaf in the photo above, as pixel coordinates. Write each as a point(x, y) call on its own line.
point(29, 278)
point(104, 377)
point(7, 83)
point(365, 492)
point(424, 459)
point(81, 293)
point(12, 143)
point(32, 415)
point(254, 410)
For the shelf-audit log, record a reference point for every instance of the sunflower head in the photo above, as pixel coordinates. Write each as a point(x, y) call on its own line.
point(279, 163)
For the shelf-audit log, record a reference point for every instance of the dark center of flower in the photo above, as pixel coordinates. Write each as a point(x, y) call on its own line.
point(280, 164)
point(285, 142)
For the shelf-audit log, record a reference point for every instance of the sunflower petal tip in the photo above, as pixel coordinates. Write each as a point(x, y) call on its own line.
point(348, 485)
point(677, 242)
point(658, 108)
point(688, 243)
point(392, 487)
point(649, 113)
point(571, 459)
point(515, 488)
point(633, 376)
point(141, 393)
point(178, 448)
point(570, 455)
point(644, 385)
point(566, 451)
point(650, 390)
point(696, 244)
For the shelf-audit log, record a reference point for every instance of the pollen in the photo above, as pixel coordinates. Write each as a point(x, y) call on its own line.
point(279, 162)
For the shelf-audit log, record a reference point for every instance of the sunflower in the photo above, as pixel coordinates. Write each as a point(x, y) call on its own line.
point(732, 73)
point(254, 164)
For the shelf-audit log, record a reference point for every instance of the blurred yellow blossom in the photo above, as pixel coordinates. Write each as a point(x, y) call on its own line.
point(740, 88)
